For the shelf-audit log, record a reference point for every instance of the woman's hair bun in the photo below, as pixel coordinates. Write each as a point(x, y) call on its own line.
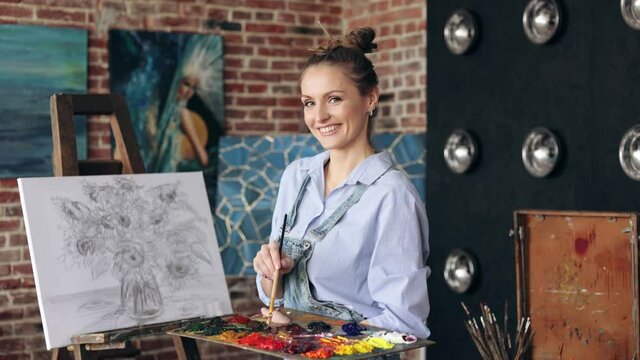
point(361, 38)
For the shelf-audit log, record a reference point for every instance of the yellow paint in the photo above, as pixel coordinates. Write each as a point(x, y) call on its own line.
point(344, 350)
point(379, 343)
point(362, 347)
point(229, 336)
point(335, 341)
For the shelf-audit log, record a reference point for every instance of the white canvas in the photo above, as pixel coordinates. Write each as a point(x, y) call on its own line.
point(110, 252)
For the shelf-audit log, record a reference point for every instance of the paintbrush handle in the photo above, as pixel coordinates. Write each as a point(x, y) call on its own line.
point(272, 299)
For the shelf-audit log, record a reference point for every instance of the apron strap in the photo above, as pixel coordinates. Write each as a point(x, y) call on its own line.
point(321, 231)
point(291, 219)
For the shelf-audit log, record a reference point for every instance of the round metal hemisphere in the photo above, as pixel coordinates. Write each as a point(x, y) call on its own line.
point(540, 152)
point(631, 12)
point(460, 151)
point(459, 270)
point(541, 20)
point(460, 31)
point(629, 153)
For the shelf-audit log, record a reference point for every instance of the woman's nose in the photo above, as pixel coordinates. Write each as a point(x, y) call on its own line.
point(321, 113)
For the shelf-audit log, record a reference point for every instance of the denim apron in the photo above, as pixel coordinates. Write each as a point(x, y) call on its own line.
point(297, 289)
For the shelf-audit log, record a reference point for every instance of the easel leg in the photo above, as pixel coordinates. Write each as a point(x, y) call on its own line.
point(186, 348)
point(60, 354)
point(81, 353)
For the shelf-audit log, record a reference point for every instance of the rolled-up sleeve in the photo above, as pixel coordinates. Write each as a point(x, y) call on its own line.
point(264, 297)
point(397, 278)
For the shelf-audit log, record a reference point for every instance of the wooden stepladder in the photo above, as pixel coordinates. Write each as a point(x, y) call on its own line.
point(126, 160)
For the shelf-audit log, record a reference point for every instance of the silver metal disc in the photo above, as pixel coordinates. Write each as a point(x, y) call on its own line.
point(459, 270)
point(631, 12)
point(460, 31)
point(540, 152)
point(541, 20)
point(629, 153)
point(460, 151)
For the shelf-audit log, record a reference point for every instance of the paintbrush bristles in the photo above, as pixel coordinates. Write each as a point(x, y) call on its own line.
point(494, 342)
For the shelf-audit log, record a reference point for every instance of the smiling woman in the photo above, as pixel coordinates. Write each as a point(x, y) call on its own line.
point(334, 110)
point(356, 238)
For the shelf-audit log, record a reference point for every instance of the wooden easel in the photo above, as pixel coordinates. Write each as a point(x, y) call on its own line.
point(127, 160)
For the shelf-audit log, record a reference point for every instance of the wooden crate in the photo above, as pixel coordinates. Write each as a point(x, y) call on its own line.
point(577, 278)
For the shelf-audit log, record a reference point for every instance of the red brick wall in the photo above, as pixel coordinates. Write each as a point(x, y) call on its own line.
point(265, 42)
point(401, 62)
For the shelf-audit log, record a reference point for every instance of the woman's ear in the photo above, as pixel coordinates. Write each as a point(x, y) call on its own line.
point(373, 98)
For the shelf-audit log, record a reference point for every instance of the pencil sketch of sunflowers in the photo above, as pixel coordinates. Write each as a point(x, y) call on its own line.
point(146, 237)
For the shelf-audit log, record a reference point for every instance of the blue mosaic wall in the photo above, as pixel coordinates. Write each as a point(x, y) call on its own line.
point(249, 172)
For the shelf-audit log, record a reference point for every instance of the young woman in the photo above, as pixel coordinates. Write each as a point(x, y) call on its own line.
point(356, 238)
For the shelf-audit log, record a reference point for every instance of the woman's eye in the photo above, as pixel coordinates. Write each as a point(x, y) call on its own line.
point(308, 103)
point(334, 99)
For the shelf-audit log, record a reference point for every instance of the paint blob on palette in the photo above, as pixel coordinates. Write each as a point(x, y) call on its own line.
point(308, 336)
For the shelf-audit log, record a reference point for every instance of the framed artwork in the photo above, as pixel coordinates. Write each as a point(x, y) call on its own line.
point(35, 63)
point(110, 252)
point(173, 85)
point(250, 168)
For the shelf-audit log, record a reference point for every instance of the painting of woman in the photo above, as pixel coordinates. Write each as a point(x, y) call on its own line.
point(178, 118)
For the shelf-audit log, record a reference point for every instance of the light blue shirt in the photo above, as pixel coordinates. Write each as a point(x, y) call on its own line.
point(374, 259)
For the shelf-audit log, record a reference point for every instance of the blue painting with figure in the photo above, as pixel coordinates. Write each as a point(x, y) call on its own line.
point(249, 172)
point(36, 62)
point(173, 85)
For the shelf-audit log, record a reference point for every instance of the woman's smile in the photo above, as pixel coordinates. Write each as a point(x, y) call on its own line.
point(329, 129)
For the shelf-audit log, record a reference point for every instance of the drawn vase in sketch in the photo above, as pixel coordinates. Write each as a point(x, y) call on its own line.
point(140, 295)
point(139, 291)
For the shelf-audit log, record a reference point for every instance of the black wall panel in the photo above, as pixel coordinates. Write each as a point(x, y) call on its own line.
point(584, 85)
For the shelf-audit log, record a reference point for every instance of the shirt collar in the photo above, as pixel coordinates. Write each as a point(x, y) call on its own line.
point(367, 172)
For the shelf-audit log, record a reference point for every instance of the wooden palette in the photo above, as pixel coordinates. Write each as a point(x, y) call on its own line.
point(303, 319)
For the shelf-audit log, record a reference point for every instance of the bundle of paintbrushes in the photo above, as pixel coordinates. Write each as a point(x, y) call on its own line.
point(494, 342)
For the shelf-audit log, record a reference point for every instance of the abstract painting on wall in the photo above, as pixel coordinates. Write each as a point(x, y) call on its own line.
point(173, 85)
point(110, 252)
point(250, 168)
point(35, 63)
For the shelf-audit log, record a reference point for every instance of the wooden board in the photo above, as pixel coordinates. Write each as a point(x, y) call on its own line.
point(578, 281)
point(303, 319)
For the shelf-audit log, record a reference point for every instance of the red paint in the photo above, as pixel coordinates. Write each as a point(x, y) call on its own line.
point(262, 342)
point(239, 319)
point(271, 344)
point(581, 246)
point(251, 339)
point(322, 353)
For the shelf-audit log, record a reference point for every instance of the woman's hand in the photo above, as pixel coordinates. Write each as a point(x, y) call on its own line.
point(268, 259)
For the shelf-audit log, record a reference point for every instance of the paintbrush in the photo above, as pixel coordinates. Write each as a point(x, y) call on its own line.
point(274, 287)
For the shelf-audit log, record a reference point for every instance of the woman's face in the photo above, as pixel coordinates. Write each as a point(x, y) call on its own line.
point(335, 112)
point(187, 88)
